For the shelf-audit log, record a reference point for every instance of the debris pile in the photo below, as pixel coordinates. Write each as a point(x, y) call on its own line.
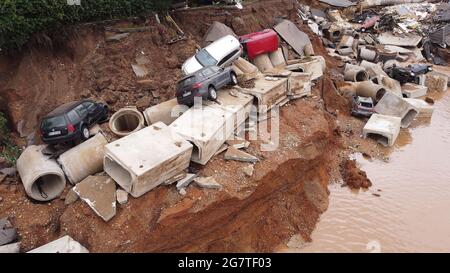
point(384, 46)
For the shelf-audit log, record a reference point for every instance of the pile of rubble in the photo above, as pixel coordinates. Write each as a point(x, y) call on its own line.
point(156, 147)
point(385, 47)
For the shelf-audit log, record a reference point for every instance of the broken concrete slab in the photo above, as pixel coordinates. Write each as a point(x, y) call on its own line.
point(143, 160)
point(425, 110)
point(99, 192)
point(222, 149)
point(62, 245)
point(388, 38)
point(7, 232)
point(314, 65)
point(84, 159)
point(174, 179)
point(393, 105)
point(238, 143)
point(165, 112)
point(238, 155)
point(248, 170)
point(10, 248)
point(139, 70)
point(382, 128)
point(235, 102)
point(122, 196)
point(207, 183)
point(289, 32)
point(411, 90)
point(216, 31)
point(268, 93)
point(436, 82)
point(183, 183)
point(70, 197)
point(42, 178)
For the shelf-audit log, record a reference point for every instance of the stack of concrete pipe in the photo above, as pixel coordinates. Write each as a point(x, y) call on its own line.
point(355, 73)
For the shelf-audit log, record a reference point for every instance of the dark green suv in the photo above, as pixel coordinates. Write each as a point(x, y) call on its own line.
point(70, 122)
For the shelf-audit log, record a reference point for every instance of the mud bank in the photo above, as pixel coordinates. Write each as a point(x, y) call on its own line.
point(285, 195)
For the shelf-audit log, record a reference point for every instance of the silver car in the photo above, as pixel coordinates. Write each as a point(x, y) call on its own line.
point(221, 53)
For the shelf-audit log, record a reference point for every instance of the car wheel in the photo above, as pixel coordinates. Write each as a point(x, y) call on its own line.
point(234, 79)
point(212, 93)
point(85, 133)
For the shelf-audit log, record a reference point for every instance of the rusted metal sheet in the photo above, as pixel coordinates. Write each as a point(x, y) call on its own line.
point(293, 36)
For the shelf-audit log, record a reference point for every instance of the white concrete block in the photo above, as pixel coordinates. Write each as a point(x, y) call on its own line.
point(207, 128)
point(384, 129)
point(425, 110)
point(62, 245)
point(143, 160)
point(393, 105)
point(411, 90)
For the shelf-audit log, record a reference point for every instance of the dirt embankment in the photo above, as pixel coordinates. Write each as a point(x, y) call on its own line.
point(285, 195)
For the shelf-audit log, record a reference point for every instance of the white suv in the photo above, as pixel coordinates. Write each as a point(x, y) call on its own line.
point(221, 53)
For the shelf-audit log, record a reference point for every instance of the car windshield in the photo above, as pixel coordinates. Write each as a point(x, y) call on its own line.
point(186, 82)
point(52, 122)
point(204, 58)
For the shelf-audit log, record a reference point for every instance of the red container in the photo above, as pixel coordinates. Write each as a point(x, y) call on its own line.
point(257, 43)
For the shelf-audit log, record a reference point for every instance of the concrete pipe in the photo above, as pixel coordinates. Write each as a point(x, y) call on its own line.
point(355, 73)
point(309, 50)
point(262, 62)
point(84, 159)
point(367, 54)
point(126, 121)
point(277, 58)
point(345, 51)
point(369, 89)
point(41, 176)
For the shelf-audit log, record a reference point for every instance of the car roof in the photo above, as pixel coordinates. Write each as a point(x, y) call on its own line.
point(216, 49)
point(196, 73)
point(64, 108)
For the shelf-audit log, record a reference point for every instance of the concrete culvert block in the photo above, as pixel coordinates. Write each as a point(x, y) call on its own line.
point(42, 178)
point(143, 160)
point(369, 89)
point(355, 73)
point(84, 160)
point(393, 105)
point(382, 128)
point(126, 121)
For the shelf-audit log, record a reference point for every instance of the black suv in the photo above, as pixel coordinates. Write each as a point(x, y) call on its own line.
point(70, 122)
point(410, 73)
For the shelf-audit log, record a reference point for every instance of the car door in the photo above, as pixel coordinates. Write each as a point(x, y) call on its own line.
point(82, 113)
point(94, 112)
point(228, 58)
point(219, 76)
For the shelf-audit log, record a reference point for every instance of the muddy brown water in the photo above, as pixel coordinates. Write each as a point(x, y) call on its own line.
point(412, 213)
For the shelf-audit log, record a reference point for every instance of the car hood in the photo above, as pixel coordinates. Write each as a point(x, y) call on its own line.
point(190, 66)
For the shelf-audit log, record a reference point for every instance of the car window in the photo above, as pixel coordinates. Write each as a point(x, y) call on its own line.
point(89, 105)
point(73, 117)
point(81, 111)
point(207, 72)
point(226, 58)
point(58, 121)
point(214, 69)
point(366, 104)
point(186, 82)
point(204, 58)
